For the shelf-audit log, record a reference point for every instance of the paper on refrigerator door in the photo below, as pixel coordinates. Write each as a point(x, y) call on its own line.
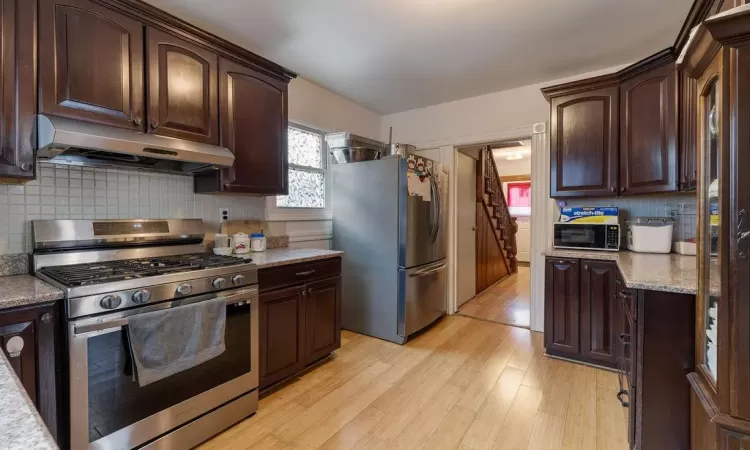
point(418, 172)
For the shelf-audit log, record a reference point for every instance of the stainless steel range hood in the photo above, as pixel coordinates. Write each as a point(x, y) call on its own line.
point(76, 142)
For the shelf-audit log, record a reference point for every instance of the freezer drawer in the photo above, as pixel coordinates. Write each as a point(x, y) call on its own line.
point(422, 296)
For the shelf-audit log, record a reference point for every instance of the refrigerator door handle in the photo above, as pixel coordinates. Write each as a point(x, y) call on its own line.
point(429, 271)
point(439, 212)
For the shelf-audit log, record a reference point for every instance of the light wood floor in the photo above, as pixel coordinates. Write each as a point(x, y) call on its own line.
point(508, 301)
point(465, 384)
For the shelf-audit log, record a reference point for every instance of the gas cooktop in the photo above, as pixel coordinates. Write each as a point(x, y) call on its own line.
point(128, 269)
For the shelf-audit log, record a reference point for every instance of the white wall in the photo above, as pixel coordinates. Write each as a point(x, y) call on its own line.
point(468, 120)
point(317, 107)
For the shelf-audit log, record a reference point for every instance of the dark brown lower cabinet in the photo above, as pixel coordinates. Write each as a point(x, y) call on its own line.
point(562, 307)
point(300, 317)
point(580, 313)
point(323, 318)
point(599, 324)
point(282, 334)
point(648, 336)
point(29, 339)
point(664, 355)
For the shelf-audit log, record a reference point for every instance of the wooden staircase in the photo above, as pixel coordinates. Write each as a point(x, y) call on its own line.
point(495, 205)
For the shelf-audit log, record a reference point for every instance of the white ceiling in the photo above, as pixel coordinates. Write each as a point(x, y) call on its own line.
point(395, 55)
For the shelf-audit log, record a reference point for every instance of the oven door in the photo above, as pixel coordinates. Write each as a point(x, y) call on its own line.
point(107, 407)
point(583, 235)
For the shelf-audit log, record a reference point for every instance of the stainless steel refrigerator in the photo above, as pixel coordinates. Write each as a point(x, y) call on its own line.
point(394, 265)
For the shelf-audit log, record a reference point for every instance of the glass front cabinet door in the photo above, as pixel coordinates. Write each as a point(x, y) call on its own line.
point(718, 57)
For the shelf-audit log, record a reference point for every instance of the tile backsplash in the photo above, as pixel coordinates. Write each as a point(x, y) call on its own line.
point(73, 192)
point(646, 206)
point(679, 206)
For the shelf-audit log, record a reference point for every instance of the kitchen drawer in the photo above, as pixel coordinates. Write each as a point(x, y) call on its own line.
point(283, 276)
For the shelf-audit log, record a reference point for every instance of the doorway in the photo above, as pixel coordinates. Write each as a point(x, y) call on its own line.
point(494, 244)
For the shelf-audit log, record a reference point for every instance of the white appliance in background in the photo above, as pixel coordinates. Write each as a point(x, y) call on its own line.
point(389, 217)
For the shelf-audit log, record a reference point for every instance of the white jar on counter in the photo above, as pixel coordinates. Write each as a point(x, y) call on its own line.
point(240, 243)
point(257, 242)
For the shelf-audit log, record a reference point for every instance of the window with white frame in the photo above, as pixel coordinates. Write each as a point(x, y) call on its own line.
point(308, 178)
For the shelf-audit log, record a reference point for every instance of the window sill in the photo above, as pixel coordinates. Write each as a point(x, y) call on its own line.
point(276, 214)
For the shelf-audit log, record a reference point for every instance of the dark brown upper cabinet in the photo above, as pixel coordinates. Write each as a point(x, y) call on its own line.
point(182, 100)
point(17, 88)
point(599, 321)
point(90, 63)
point(688, 113)
point(562, 305)
point(584, 138)
point(648, 129)
point(254, 127)
point(628, 133)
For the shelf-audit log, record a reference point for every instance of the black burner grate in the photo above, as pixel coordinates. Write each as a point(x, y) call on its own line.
point(110, 271)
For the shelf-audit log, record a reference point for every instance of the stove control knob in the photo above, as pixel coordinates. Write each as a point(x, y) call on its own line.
point(142, 296)
point(238, 280)
point(219, 283)
point(184, 289)
point(110, 301)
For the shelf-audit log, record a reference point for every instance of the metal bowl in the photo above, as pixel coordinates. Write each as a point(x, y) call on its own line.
point(354, 154)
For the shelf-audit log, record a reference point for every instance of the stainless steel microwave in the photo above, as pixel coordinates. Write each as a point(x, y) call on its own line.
point(587, 236)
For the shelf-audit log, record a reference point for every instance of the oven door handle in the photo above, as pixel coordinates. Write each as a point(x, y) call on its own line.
point(242, 296)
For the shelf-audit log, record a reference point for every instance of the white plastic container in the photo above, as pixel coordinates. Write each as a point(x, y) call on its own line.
point(257, 242)
point(650, 234)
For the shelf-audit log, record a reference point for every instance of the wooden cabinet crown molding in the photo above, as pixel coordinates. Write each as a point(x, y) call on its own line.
point(579, 86)
point(730, 28)
point(698, 52)
point(652, 62)
point(155, 17)
point(698, 13)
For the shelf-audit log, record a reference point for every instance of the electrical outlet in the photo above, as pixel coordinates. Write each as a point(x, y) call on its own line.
point(223, 214)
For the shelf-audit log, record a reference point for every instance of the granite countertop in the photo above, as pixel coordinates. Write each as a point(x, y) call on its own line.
point(668, 272)
point(23, 290)
point(284, 256)
point(20, 424)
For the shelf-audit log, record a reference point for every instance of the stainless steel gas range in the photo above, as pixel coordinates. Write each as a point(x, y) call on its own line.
point(112, 271)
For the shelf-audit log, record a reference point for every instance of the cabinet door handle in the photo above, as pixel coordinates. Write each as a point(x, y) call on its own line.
point(624, 338)
point(586, 267)
point(622, 189)
point(623, 402)
point(46, 318)
point(154, 124)
point(743, 234)
point(612, 189)
point(305, 273)
point(137, 122)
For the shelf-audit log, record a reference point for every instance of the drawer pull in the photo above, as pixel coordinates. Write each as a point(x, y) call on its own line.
point(623, 402)
point(306, 273)
point(625, 293)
